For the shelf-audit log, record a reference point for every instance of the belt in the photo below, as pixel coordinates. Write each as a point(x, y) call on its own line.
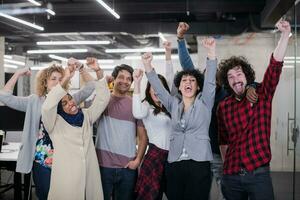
point(261, 169)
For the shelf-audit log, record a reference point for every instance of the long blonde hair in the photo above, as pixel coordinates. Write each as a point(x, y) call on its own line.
point(44, 75)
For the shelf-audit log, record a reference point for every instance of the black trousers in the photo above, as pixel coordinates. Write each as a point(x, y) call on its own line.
point(188, 180)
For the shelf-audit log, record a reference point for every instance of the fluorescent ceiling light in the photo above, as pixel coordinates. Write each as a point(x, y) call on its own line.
point(291, 61)
point(22, 21)
point(42, 51)
point(109, 9)
point(51, 12)
point(162, 37)
point(58, 57)
point(291, 58)
point(14, 62)
point(135, 50)
point(8, 56)
point(104, 67)
point(10, 66)
point(288, 66)
point(105, 61)
point(82, 42)
point(35, 2)
point(156, 57)
point(37, 68)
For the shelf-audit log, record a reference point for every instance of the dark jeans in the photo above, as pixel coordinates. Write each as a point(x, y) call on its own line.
point(118, 183)
point(41, 177)
point(255, 185)
point(188, 179)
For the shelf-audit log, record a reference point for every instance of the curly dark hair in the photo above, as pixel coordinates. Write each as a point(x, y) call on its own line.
point(148, 98)
point(235, 61)
point(121, 67)
point(195, 73)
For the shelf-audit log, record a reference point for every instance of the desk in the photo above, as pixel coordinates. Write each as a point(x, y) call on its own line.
point(8, 158)
point(10, 152)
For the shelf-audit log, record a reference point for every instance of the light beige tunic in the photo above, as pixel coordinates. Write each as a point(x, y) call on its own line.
point(75, 172)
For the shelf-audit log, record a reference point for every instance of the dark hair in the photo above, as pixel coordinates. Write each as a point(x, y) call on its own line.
point(148, 98)
point(195, 73)
point(121, 67)
point(232, 62)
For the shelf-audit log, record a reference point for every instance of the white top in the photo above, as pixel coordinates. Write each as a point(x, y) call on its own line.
point(158, 126)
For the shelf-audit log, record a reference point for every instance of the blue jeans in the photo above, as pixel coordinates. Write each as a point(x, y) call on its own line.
point(118, 183)
point(255, 185)
point(216, 167)
point(41, 177)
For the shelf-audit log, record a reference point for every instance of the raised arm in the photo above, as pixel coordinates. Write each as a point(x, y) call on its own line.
point(163, 95)
point(139, 110)
point(272, 74)
point(49, 107)
point(101, 100)
point(183, 53)
point(87, 90)
point(94, 65)
point(210, 74)
point(169, 74)
point(6, 97)
point(285, 29)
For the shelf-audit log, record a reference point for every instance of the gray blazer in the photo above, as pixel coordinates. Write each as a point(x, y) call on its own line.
point(191, 130)
point(32, 106)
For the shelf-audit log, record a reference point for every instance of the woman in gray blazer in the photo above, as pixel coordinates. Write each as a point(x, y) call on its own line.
point(188, 168)
point(36, 147)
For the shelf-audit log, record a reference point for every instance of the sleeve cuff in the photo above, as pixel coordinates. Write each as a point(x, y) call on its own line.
point(274, 62)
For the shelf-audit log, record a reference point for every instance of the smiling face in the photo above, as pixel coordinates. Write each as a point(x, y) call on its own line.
point(69, 105)
point(53, 80)
point(188, 86)
point(237, 80)
point(122, 82)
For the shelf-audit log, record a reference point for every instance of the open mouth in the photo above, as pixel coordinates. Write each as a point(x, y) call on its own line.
point(188, 88)
point(73, 108)
point(238, 86)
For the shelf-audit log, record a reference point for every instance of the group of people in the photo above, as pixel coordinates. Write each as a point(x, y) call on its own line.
point(192, 123)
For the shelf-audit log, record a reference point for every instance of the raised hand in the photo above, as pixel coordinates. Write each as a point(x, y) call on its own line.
point(167, 45)
point(24, 71)
point(284, 26)
point(74, 64)
point(146, 60)
point(93, 63)
point(138, 75)
point(182, 29)
point(209, 43)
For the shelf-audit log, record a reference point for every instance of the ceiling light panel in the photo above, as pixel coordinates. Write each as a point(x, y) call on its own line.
point(83, 42)
point(22, 21)
point(135, 50)
point(44, 51)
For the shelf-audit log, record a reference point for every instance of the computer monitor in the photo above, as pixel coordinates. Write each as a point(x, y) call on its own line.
point(10, 119)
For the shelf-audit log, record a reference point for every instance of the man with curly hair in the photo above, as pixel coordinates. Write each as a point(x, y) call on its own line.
point(244, 127)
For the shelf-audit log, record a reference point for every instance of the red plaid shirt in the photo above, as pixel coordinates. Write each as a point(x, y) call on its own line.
point(245, 127)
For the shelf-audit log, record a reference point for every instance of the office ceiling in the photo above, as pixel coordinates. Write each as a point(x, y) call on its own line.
point(139, 23)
